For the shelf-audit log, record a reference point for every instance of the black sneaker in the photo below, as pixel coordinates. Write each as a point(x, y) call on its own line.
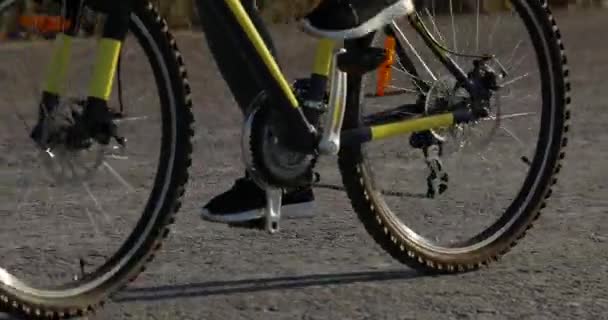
point(245, 202)
point(347, 19)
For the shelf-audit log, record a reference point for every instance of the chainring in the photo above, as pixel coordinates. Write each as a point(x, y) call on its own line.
point(266, 158)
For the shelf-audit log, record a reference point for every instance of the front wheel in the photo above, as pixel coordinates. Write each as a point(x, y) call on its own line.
point(496, 189)
point(80, 224)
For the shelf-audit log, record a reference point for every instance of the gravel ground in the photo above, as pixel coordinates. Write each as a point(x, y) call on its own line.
point(328, 267)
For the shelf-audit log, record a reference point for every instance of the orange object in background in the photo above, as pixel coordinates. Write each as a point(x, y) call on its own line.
point(384, 72)
point(44, 24)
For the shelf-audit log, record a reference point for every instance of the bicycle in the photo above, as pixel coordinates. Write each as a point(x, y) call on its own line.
point(287, 129)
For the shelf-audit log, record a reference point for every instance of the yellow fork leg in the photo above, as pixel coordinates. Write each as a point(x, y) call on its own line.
point(58, 68)
point(105, 68)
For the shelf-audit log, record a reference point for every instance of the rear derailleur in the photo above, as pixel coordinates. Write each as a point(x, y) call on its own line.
point(432, 147)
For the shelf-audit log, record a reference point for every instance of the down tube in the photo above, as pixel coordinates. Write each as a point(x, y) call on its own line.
point(249, 68)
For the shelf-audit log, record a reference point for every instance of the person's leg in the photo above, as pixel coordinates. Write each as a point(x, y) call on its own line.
point(244, 200)
point(251, 7)
point(243, 88)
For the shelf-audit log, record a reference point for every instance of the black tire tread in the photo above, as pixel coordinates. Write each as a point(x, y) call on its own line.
point(167, 44)
point(374, 223)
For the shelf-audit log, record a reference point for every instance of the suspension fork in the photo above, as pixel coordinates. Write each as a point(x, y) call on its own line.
point(54, 85)
point(106, 60)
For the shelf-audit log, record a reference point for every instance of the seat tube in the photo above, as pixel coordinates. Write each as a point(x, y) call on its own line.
point(314, 101)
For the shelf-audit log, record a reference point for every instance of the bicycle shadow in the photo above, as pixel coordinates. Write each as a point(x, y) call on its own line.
point(212, 288)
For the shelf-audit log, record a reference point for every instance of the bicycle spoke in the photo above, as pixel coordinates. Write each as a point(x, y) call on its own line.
point(415, 78)
point(119, 177)
point(512, 135)
point(453, 26)
point(93, 223)
point(494, 28)
point(117, 157)
point(402, 89)
point(404, 71)
point(512, 81)
point(514, 51)
point(510, 116)
point(431, 17)
point(477, 28)
point(131, 119)
point(96, 202)
point(411, 47)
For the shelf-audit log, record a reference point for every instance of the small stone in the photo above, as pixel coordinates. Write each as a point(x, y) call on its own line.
point(486, 310)
point(598, 238)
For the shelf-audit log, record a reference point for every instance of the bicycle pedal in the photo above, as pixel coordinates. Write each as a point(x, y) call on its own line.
point(362, 61)
point(289, 212)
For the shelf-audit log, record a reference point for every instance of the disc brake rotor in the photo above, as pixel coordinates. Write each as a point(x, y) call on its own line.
point(66, 165)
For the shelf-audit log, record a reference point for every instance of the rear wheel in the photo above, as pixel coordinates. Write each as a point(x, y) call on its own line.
point(77, 225)
point(501, 168)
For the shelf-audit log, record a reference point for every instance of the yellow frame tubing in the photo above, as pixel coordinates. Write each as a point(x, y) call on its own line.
point(254, 36)
point(323, 57)
point(104, 70)
point(59, 66)
point(413, 125)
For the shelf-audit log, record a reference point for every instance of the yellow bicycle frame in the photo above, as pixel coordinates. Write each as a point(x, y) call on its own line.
point(100, 85)
point(109, 50)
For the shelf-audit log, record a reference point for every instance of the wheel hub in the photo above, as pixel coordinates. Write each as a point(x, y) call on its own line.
point(68, 155)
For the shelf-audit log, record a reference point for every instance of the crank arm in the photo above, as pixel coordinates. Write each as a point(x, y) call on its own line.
point(330, 139)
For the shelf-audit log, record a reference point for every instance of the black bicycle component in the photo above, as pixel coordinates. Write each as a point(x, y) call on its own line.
point(359, 62)
point(73, 13)
point(437, 180)
point(313, 97)
point(119, 89)
point(423, 140)
point(48, 104)
point(274, 163)
point(230, 45)
point(392, 115)
point(97, 121)
point(486, 80)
